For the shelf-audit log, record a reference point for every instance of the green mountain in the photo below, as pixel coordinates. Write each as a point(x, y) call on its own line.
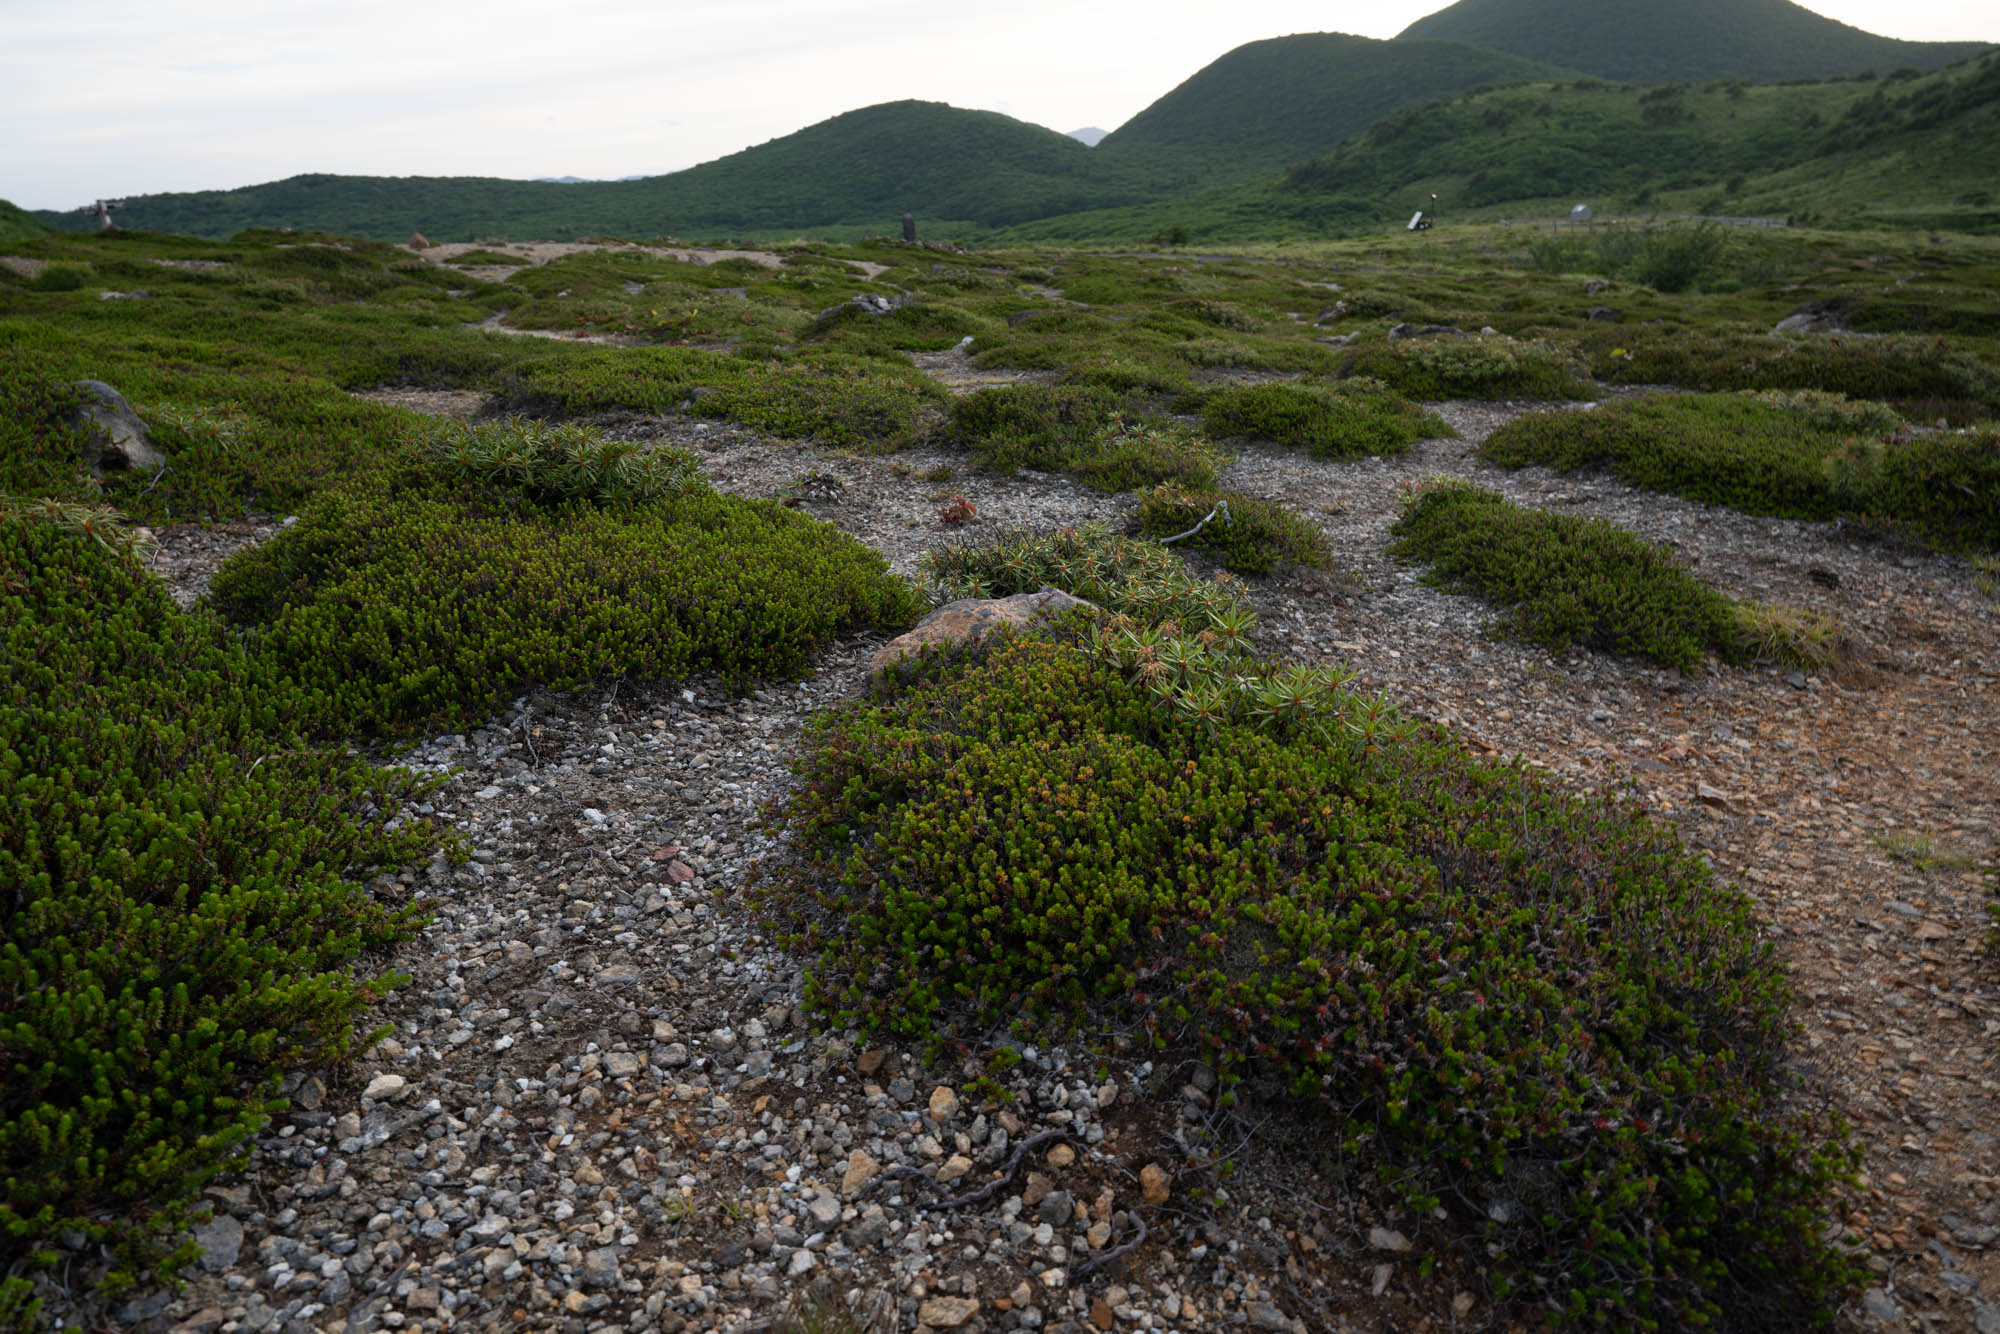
point(1644, 41)
point(1268, 104)
point(861, 169)
point(18, 224)
point(1909, 150)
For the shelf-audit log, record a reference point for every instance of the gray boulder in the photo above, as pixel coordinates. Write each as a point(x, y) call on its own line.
point(963, 624)
point(114, 439)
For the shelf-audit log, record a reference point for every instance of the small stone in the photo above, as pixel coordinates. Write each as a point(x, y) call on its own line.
point(618, 975)
point(1881, 1306)
point(621, 1065)
point(1154, 1184)
point(861, 1169)
point(220, 1240)
point(1381, 1283)
point(1056, 1208)
point(871, 1060)
point(1263, 1315)
point(679, 872)
point(954, 1167)
point(1711, 796)
point(1929, 930)
point(588, 1174)
point(947, 1312)
point(1387, 1239)
point(1062, 1155)
point(1098, 1235)
point(385, 1088)
point(944, 1104)
point(803, 1262)
point(825, 1210)
point(310, 1093)
point(1986, 1319)
point(1101, 1315)
point(1461, 1305)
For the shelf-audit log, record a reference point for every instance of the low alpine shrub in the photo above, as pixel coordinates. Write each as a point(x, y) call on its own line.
point(1249, 535)
point(1486, 366)
point(1080, 430)
point(1801, 455)
point(1528, 1015)
point(1563, 580)
point(1353, 419)
point(1141, 580)
point(181, 921)
point(416, 596)
point(1903, 369)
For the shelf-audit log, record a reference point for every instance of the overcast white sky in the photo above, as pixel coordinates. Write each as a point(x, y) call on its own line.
point(116, 97)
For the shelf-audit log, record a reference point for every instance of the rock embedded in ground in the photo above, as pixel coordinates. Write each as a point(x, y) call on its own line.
point(114, 437)
point(964, 624)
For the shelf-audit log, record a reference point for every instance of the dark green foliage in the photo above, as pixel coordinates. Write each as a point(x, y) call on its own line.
point(908, 328)
point(17, 224)
point(1077, 429)
point(851, 403)
point(1268, 104)
point(180, 917)
point(418, 596)
point(1895, 370)
point(1254, 537)
point(1529, 1012)
point(1142, 580)
point(1634, 41)
point(1564, 580)
point(60, 278)
point(1802, 456)
point(1346, 421)
point(1487, 366)
point(557, 463)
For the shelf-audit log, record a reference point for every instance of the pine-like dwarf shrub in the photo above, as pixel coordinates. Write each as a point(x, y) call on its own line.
point(1528, 1015)
point(1348, 420)
point(1483, 366)
point(418, 595)
point(1563, 580)
point(1141, 580)
point(1799, 455)
point(1250, 536)
point(180, 917)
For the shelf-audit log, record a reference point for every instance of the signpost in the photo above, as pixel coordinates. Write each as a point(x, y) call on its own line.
point(102, 211)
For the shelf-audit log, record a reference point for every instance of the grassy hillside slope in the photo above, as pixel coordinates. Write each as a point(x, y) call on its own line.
point(1637, 41)
point(1842, 151)
point(1268, 104)
point(17, 223)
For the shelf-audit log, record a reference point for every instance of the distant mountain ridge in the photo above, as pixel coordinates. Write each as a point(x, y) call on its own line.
point(1250, 115)
point(1645, 41)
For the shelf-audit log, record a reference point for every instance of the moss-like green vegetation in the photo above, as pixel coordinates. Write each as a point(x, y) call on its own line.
point(1927, 374)
point(1483, 366)
point(1140, 580)
point(1082, 430)
point(1456, 970)
point(1342, 421)
point(421, 595)
point(1247, 534)
point(1801, 455)
point(1564, 580)
point(182, 917)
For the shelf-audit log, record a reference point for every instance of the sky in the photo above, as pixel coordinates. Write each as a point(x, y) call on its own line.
point(126, 97)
